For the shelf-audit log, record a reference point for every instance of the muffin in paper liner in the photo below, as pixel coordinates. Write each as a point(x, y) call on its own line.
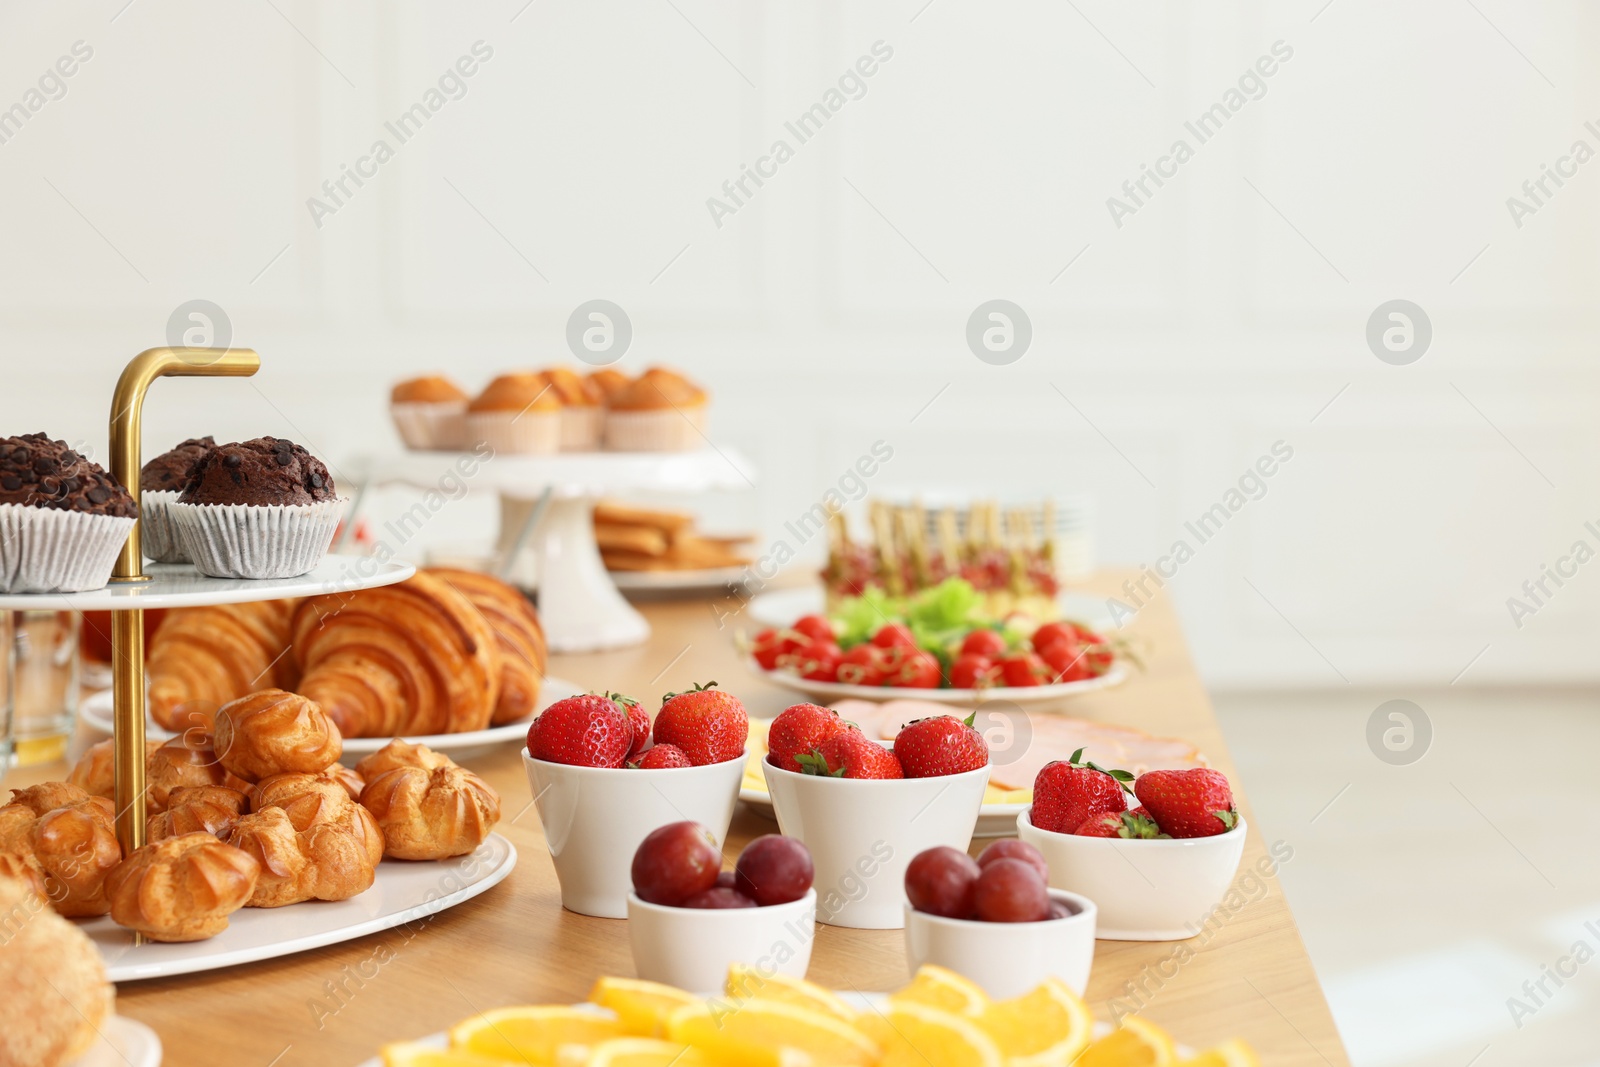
point(158, 537)
point(581, 426)
point(431, 427)
point(257, 540)
point(46, 550)
point(660, 430)
point(532, 432)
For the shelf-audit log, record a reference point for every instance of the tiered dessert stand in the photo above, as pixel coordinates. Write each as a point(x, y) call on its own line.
point(412, 893)
point(549, 501)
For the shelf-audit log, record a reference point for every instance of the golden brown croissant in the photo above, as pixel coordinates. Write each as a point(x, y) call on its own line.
point(54, 997)
point(318, 800)
point(323, 862)
point(70, 836)
point(431, 814)
point(400, 753)
point(201, 658)
point(190, 759)
point(518, 635)
point(94, 772)
point(413, 658)
point(198, 808)
point(181, 888)
point(273, 732)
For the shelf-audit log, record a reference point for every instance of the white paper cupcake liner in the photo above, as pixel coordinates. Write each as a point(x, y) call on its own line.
point(666, 430)
point(43, 550)
point(158, 536)
point(531, 433)
point(580, 428)
point(430, 427)
point(257, 541)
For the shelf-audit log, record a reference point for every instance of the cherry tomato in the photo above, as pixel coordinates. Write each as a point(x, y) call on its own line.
point(985, 643)
point(815, 627)
point(972, 671)
point(862, 665)
point(1068, 661)
point(1054, 631)
point(919, 670)
point(766, 648)
point(1024, 668)
point(820, 662)
point(894, 635)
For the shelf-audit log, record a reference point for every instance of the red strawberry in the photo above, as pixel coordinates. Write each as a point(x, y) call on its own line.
point(638, 718)
point(660, 757)
point(944, 744)
point(851, 754)
point(709, 725)
point(586, 731)
point(1124, 824)
point(1068, 793)
point(799, 729)
point(1192, 803)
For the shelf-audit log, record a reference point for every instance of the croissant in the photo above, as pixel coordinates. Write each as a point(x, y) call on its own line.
point(70, 837)
point(431, 814)
point(181, 888)
point(518, 635)
point(94, 772)
point(210, 809)
point(54, 997)
point(201, 658)
point(189, 759)
point(317, 800)
point(400, 753)
point(323, 862)
point(412, 658)
point(272, 732)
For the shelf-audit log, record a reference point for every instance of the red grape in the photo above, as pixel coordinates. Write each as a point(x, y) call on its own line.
point(1061, 909)
point(718, 897)
point(1010, 891)
point(675, 862)
point(1009, 848)
point(725, 880)
point(940, 882)
point(774, 869)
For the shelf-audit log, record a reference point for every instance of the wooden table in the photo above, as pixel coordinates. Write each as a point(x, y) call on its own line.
point(1250, 977)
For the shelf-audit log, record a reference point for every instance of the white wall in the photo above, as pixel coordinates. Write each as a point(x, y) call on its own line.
point(825, 314)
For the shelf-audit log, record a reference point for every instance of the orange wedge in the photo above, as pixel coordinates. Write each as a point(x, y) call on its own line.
point(1044, 1028)
point(631, 1052)
point(746, 983)
point(532, 1034)
point(1233, 1053)
point(1136, 1044)
point(763, 1033)
point(941, 988)
point(412, 1054)
point(921, 1035)
point(642, 1007)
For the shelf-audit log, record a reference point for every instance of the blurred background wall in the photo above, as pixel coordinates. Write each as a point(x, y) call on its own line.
point(1175, 338)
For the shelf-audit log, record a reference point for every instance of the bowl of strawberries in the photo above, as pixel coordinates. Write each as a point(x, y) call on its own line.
point(604, 775)
point(1156, 870)
point(864, 808)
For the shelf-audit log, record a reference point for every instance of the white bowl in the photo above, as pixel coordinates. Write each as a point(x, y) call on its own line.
point(862, 833)
point(595, 817)
point(1007, 959)
point(691, 948)
point(1146, 890)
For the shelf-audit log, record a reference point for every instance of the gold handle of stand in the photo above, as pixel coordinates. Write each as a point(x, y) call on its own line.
point(127, 627)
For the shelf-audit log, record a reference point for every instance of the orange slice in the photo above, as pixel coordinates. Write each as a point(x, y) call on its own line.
point(642, 1007)
point(746, 983)
point(532, 1034)
point(763, 1033)
point(921, 1035)
point(941, 988)
point(1044, 1028)
point(1136, 1044)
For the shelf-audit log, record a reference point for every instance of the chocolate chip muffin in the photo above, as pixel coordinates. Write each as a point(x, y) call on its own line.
point(169, 472)
point(42, 473)
point(63, 519)
point(264, 508)
point(265, 471)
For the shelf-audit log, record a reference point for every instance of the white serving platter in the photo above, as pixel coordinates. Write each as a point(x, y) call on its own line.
point(822, 692)
point(783, 606)
point(404, 892)
point(179, 585)
point(97, 709)
point(122, 1042)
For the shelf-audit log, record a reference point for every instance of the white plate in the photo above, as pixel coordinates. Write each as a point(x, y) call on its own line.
point(405, 891)
point(96, 713)
point(994, 820)
point(859, 1001)
point(823, 692)
point(712, 579)
point(122, 1042)
point(783, 606)
point(179, 585)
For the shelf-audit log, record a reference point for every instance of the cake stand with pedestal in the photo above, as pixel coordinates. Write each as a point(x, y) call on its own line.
point(579, 604)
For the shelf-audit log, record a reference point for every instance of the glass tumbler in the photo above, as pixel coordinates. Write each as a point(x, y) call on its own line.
point(44, 684)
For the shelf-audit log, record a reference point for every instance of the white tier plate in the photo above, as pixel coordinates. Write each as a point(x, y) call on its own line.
point(96, 714)
point(404, 892)
point(783, 606)
point(570, 474)
point(122, 1042)
point(858, 1000)
point(823, 692)
point(714, 579)
point(179, 585)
